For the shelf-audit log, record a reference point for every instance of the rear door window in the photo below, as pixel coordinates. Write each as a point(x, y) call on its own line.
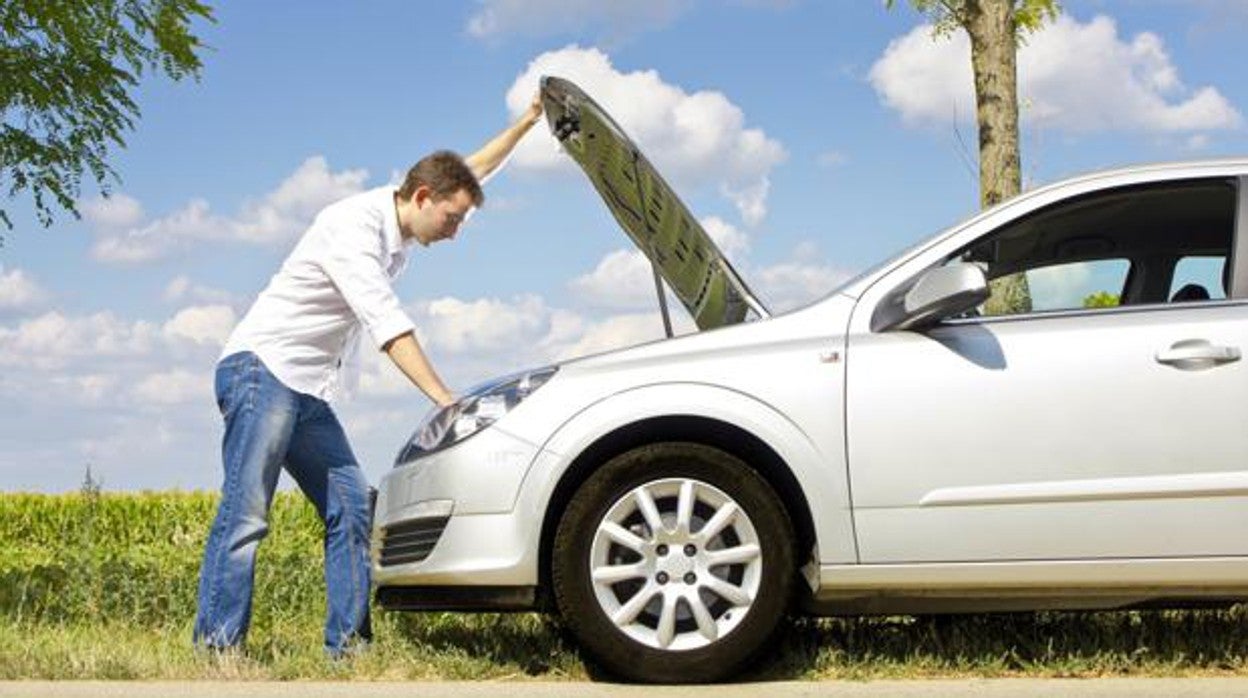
point(1198, 278)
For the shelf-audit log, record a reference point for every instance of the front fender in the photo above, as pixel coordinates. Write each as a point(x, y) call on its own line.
point(819, 469)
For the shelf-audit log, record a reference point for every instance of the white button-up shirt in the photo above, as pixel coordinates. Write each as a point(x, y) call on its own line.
point(306, 322)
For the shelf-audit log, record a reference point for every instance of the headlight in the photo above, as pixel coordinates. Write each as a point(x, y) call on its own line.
point(477, 409)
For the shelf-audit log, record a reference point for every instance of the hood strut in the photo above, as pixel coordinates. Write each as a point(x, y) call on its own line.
point(658, 276)
point(658, 289)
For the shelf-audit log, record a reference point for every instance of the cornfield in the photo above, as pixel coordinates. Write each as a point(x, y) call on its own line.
point(95, 556)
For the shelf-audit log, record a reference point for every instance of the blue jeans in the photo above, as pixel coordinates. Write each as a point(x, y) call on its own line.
point(268, 426)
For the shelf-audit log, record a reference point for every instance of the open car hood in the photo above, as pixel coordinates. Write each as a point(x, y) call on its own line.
point(655, 219)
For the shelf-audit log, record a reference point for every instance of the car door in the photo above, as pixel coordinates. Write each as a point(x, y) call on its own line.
point(1102, 420)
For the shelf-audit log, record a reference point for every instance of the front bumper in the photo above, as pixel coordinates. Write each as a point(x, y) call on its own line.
point(448, 519)
point(492, 598)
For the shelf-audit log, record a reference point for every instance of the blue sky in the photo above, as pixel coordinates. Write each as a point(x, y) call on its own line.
point(813, 139)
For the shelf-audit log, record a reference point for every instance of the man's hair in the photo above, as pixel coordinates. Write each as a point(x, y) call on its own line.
point(444, 173)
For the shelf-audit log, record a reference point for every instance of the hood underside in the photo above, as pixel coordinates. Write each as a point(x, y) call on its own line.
point(647, 209)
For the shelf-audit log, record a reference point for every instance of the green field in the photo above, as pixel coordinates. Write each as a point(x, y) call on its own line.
point(101, 585)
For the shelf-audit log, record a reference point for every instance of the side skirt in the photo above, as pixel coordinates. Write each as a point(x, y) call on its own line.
point(979, 587)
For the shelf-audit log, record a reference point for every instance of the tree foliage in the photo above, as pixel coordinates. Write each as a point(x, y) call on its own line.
point(1101, 299)
point(948, 15)
point(67, 68)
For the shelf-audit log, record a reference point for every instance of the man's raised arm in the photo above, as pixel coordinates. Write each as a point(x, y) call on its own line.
point(490, 156)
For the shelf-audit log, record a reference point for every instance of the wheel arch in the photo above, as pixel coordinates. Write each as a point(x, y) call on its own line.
point(708, 431)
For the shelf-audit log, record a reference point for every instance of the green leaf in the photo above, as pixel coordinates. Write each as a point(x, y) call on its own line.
point(68, 72)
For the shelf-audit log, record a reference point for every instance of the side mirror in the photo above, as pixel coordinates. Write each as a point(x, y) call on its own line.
point(937, 294)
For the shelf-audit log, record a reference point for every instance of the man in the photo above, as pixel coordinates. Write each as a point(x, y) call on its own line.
point(282, 363)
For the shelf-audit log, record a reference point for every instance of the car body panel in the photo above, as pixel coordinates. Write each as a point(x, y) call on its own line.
point(485, 540)
point(816, 465)
point(792, 406)
point(981, 587)
point(1039, 446)
point(473, 550)
point(495, 460)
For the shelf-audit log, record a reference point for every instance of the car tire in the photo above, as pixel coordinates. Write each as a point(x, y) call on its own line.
point(673, 563)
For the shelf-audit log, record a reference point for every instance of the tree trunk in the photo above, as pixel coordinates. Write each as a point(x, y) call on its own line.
point(993, 60)
point(991, 27)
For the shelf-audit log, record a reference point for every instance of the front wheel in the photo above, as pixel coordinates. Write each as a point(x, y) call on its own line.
point(673, 563)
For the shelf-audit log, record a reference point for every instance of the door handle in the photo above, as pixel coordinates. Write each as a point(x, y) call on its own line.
point(1197, 353)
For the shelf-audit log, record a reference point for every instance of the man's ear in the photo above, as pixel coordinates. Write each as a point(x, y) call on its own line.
point(422, 195)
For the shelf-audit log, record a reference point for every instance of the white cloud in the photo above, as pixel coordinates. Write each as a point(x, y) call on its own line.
point(694, 140)
point(177, 289)
point(18, 292)
point(927, 79)
point(122, 394)
point(470, 340)
point(182, 288)
point(621, 331)
point(484, 324)
point(730, 240)
point(286, 211)
point(52, 339)
point(160, 238)
point(800, 280)
point(95, 387)
point(379, 377)
point(57, 342)
point(552, 17)
point(112, 212)
point(622, 280)
point(1072, 76)
point(386, 424)
point(203, 324)
point(157, 434)
point(173, 387)
point(1197, 141)
point(276, 217)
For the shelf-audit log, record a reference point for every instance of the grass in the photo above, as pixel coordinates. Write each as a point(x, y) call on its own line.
point(1045, 644)
point(408, 647)
point(102, 586)
point(524, 646)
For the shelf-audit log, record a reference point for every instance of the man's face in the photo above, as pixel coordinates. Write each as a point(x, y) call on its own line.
point(439, 219)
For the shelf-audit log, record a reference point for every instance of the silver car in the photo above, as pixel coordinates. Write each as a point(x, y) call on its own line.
point(926, 439)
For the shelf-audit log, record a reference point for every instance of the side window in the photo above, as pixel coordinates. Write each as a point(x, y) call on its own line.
point(1198, 279)
point(1127, 246)
point(1092, 284)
